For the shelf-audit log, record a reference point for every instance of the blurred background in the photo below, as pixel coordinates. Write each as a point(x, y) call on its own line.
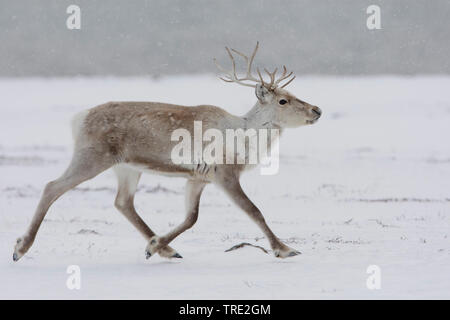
point(148, 37)
point(366, 185)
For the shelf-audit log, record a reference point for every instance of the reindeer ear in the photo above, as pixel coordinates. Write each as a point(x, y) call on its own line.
point(262, 93)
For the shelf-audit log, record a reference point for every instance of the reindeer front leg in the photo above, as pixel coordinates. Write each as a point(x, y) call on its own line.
point(193, 192)
point(232, 187)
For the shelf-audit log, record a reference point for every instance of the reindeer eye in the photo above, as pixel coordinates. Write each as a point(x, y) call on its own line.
point(282, 101)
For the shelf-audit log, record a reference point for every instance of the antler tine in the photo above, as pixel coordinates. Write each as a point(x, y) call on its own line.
point(272, 84)
point(232, 76)
point(233, 63)
point(219, 66)
point(247, 60)
point(283, 76)
point(229, 75)
point(284, 85)
point(226, 80)
point(284, 72)
point(260, 77)
point(248, 75)
point(254, 52)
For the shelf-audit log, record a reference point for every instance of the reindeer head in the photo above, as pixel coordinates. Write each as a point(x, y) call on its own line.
point(285, 109)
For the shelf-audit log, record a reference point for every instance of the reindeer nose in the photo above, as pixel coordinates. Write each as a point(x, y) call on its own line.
point(317, 111)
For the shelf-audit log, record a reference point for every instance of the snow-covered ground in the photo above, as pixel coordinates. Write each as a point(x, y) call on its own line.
point(367, 185)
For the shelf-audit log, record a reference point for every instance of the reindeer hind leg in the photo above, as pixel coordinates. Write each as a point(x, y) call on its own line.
point(86, 163)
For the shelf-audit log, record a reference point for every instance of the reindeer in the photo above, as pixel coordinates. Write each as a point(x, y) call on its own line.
point(134, 137)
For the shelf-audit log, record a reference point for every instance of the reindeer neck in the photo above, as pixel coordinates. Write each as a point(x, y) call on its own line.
point(260, 118)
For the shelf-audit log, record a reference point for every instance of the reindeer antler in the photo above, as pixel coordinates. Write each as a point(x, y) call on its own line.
point(231, 76)
point(284, 76)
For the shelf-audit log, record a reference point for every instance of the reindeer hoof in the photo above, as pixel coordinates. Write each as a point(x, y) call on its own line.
point(168, 252)
point(152, 247)
point(19, 249)
point(286, 252)
point(294, 253)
